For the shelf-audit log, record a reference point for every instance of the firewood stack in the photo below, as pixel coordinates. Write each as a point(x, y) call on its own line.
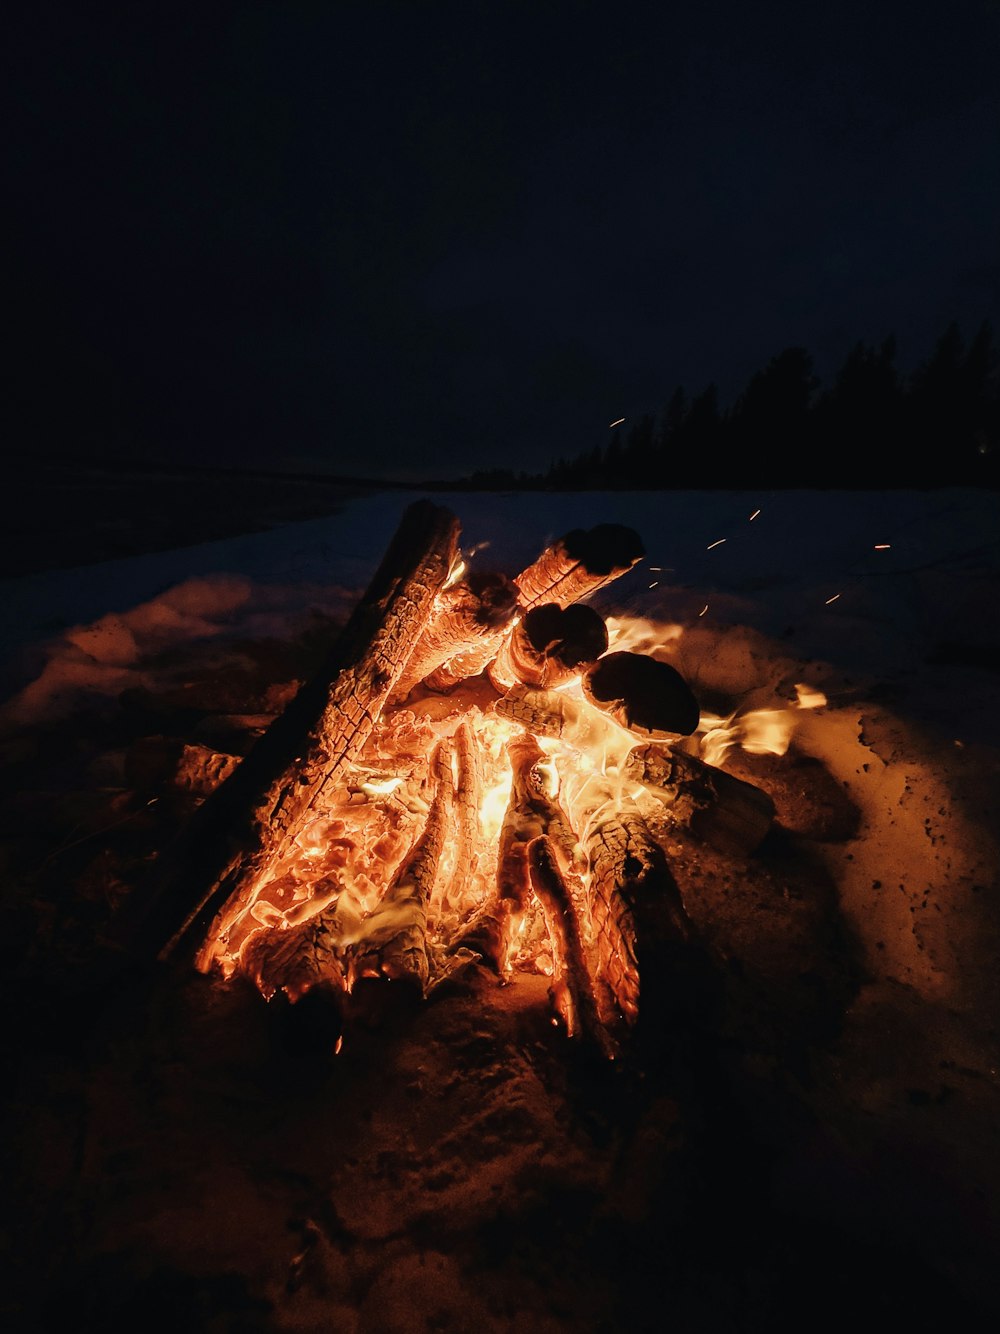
point(473, 778)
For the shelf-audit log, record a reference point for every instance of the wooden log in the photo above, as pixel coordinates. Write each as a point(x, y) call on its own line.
point(726, 812)
point(530, 814)
point(552, 713)
point(394, 945)
point(467, 625)
point(209, 875)
point(572, 991)
point(466, 832)
point(640, 926)
point(297, 960)
point(642, 694)
point(549, 646)
point(578, 564)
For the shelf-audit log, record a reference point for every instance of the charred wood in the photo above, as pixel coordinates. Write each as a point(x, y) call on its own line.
point(395, 941)
point(466, 627)
point(210, 873)
point(726, 812)
point(296, 960)
point(572, 991)
point(642, 694)
point(641, 931)
point(578, 564)
point(549, 646)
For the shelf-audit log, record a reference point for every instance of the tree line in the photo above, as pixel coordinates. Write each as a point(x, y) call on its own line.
point(873, 426)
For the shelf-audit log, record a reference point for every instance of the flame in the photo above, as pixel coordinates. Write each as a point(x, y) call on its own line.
point(455, 574)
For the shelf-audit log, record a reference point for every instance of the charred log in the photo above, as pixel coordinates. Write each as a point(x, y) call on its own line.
point(530, 814)
point(580, 563)
point(726, 812)
point(210, 873)
point(549, 646)
point(572, 990)
point(641, 931)
point(551, 713)
point(297, 960)
point(395, 941)
point(466, 627)
point(642, 694)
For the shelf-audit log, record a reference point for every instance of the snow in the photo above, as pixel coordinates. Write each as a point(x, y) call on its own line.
point(869, 620)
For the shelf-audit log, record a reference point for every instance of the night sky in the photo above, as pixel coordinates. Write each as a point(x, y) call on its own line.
point(410, 240)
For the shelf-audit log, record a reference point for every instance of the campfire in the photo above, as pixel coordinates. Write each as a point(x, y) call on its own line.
point(482, 771)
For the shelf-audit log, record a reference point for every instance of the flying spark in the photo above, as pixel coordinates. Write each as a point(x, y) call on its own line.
point(617, 423)
point(882, 546)
point(703, 610)
point(753, 516)
point(715, 544)
point(833, 599)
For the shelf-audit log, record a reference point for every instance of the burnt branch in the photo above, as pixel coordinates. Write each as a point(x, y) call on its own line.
point(572, 990)
point(395, 941)
point(210, 874)
point(549, 646)
point(580, 563)
point(726, 812)
point(639, 919)
point(642, 694)
point(466, 627)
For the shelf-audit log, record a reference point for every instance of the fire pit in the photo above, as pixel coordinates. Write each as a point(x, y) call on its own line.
point(482, 772)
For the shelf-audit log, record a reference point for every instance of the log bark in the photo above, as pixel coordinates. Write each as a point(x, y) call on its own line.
point(580, 563)
point(297, 960)
point(640, 926)
point(210, 873)
point(466, 627)
point(466, 832)
point(549, 646)
point(530, 814)
point(642, 694)
point(572, 991)
point(726, 812)
point(394, 945)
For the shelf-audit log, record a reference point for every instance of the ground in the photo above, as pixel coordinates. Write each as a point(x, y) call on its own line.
point(806, 1137)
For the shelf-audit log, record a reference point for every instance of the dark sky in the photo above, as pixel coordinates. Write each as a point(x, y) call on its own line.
point(412, 239)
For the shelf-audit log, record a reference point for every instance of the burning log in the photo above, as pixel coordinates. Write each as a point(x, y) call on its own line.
point(554, 714)
point(640, 927)
point(549, 645)
point(722, 810)
point(642, 694)
point(726, 812)
point(209, 875)
point(580, 563)
point(466, 833)
point(395, 941)
point(465, 629)
point(530, 814)
point(299, 959)
point(572, 992)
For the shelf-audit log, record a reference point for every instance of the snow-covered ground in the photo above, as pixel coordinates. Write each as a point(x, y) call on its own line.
point(772, 562)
